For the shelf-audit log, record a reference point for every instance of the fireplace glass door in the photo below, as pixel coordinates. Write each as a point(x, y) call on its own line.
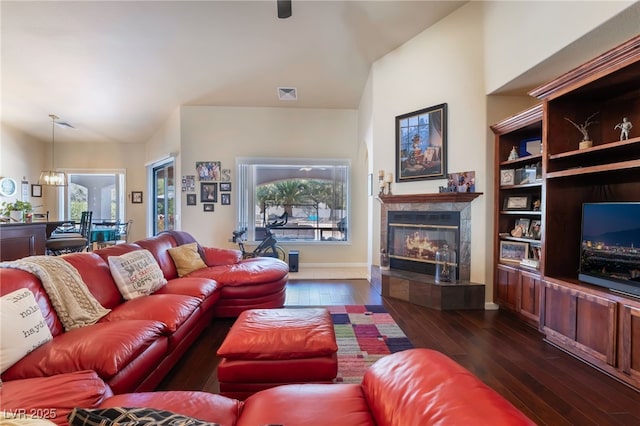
point(415, 237)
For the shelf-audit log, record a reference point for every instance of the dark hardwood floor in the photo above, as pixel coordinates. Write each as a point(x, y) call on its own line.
point(547, 384)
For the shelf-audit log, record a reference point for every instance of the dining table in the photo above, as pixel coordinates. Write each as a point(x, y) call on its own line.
point(102, 233)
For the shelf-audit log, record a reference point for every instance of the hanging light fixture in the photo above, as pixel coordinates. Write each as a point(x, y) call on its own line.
point(52, 177)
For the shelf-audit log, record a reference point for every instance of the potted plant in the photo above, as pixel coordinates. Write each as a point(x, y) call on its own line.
point(16, 210)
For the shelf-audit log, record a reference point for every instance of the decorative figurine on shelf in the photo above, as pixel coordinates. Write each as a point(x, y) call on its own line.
point(536, 205)
point(586, 141)
point(518, 231)
point(624, 127)
point(513, 155)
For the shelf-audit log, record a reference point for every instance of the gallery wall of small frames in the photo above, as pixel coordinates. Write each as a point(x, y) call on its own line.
point(211, 184)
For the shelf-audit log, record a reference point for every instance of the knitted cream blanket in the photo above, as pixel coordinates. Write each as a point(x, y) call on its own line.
point(69, 295)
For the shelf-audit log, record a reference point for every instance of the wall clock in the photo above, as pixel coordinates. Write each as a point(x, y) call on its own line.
point(8, 187)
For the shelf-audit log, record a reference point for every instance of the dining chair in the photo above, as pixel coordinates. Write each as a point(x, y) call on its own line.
point(71, 242)
point(123, 231)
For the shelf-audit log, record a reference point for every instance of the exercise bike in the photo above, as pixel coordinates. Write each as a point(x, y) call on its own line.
point(268, 247)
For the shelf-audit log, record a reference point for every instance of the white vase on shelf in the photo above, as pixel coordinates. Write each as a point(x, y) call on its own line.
point(16, 215)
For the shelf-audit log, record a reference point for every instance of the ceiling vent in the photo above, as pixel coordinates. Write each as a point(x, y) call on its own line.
point(287, 93)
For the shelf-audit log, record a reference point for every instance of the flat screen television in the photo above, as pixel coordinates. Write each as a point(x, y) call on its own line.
point(610, 252)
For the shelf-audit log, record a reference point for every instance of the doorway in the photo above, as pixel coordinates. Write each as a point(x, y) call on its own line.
point(99, 192)
point(164, 205)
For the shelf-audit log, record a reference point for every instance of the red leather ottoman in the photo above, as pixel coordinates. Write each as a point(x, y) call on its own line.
point(271, 347)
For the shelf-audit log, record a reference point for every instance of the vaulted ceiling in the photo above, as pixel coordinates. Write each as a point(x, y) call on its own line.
point(117, 69)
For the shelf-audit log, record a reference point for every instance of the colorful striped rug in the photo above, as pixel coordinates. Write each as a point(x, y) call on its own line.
point(365, 333)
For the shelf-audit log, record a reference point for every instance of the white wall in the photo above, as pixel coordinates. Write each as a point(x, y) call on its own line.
point(224, 133)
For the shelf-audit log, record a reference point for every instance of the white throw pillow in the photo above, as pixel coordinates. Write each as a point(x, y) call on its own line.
point(22, 327)
point(136, 273)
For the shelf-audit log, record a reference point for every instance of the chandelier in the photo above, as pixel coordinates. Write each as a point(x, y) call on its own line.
point(52, 177)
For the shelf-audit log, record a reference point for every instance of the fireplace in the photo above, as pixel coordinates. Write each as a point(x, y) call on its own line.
point(412, 228)
point(447, 211)
point(414, 237)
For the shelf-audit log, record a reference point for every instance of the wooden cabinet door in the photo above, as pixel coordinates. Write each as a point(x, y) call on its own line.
point(529, 300)
point(507, 287)
point(22, 240)
point(581, 322)
point(630, 342)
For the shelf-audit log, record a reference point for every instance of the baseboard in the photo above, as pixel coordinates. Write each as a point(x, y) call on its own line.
point(330, 271)
point(490, 306)
point(334, 265)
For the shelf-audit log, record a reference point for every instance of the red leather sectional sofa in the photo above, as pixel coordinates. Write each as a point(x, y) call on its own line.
point(140, 340)
point(413, 387)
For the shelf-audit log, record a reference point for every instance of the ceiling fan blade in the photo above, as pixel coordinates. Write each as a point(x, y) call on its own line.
point(284, 9)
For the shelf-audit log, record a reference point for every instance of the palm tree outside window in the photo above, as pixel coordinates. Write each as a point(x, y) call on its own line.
point(314, 194)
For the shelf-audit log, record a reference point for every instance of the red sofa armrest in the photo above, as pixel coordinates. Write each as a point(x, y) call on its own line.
point(217, 256)
point(425, 387)
point(204, 406)
point(53, 397)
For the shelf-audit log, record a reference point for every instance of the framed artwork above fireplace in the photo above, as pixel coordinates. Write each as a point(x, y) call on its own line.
point(421, 144)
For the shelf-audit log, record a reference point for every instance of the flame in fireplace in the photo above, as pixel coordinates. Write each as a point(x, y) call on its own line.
point(418, 246)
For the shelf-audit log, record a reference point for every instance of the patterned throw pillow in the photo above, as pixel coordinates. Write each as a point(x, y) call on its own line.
point(187, 258)
point(136, 273)
point(131, 416)
point(22, 327)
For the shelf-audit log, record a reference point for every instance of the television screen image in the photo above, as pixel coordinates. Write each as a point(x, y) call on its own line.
point(610, 255)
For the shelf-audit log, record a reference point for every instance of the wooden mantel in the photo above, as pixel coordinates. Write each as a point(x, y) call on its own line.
point(440, 197)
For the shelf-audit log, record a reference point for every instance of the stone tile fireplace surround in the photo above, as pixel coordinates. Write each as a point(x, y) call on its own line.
point(420, 288)
point(441, 202)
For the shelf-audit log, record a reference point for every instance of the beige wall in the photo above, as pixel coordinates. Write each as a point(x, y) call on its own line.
point(441, 65)
point(458, 61)
point(519, 35)
point(23, 157)
point(479, 49)
point(166, 140)
point(79, 157)
point(225, 133)
point(365, 136)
